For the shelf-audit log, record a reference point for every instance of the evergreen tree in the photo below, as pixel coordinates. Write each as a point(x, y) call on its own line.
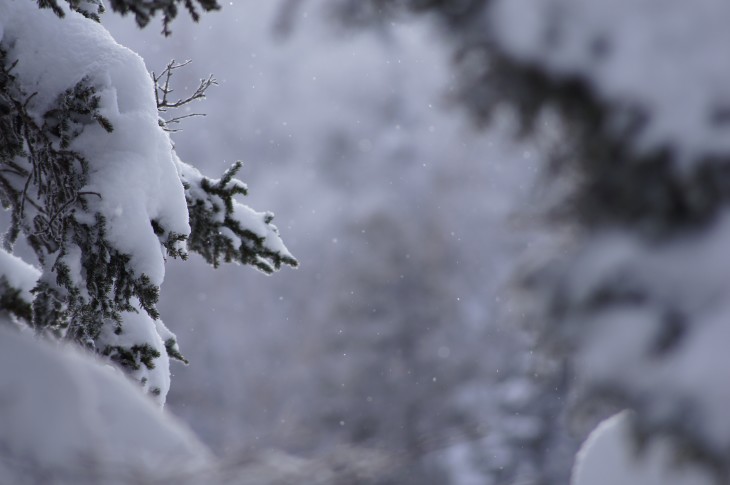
point(637, 94)
point(92, 182)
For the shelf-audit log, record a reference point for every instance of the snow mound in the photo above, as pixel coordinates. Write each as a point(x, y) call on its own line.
point(67, 418)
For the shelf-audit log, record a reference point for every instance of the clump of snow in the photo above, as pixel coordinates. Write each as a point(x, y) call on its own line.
point(609, 457)
point(141, 330)
point(665, 58)
point(68, 418)
point(19, 274)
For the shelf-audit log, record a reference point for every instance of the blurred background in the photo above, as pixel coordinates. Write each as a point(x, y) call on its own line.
point(397, 334)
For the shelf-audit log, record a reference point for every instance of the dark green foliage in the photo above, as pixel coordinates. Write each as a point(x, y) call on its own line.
point(52, 182)
point(143, 10)
point(50, 173)
point(217, 235)
point(49, 305)
point(77, 108)
point(88, 8)
point(173, 351)
point(110, 284)
point(170, 240)
point(134, 357)
point(11, 143)
point(45, 195)
point(11, 146)
point(42, 178)
point(12, 302)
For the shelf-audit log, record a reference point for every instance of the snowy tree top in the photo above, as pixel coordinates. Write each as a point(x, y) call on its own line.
point(661, 64)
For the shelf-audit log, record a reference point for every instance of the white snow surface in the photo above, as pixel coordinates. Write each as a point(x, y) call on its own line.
point(608, 457)
point(66, 417)
point(667, 58)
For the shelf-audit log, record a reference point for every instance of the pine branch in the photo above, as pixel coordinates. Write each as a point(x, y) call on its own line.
point(143, 10)
point(224, 230)
point(91, 9)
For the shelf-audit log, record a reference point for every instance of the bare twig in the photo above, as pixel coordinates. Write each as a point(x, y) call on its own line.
point(164, 90)
point(177, 120)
